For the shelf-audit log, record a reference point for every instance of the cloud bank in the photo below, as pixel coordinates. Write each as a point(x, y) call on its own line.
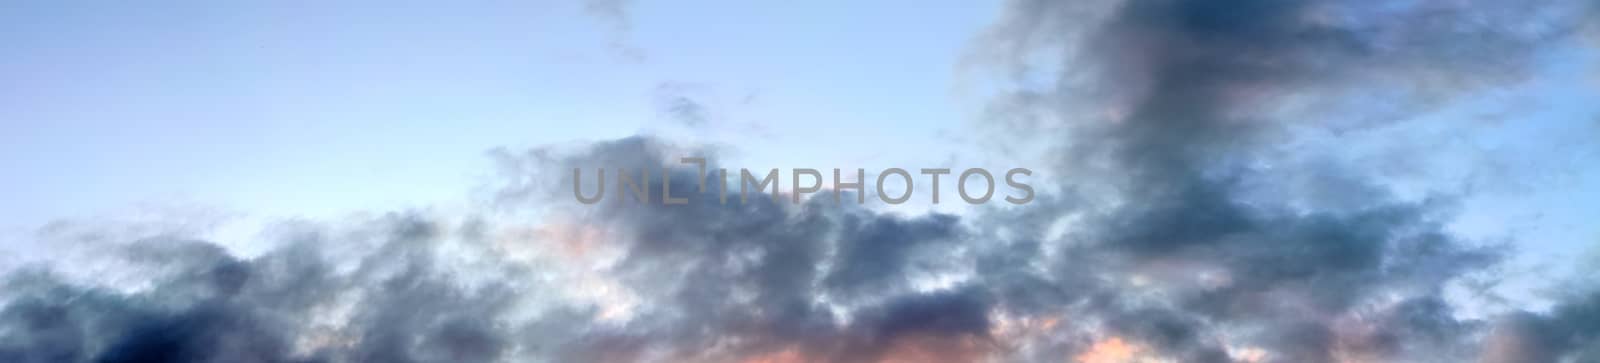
point(1173, 241)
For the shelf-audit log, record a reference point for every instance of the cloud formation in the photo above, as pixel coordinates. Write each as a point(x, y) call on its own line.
point(1192, 105)
point(1174, 242)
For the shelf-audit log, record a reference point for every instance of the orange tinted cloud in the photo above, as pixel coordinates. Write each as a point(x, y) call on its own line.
point(960, 349)
point(790, 355)
point(1109, 350)
point(907, 349)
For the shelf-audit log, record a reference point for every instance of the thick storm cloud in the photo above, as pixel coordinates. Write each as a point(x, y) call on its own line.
point(1172, 240)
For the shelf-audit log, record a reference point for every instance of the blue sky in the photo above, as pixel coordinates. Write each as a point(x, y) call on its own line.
point(280, 111)
point(321, 110)
point(292, 110)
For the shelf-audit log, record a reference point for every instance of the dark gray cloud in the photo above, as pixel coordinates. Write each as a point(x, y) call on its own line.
point(213, 307)
point(1569, 331)
point(1173, 111)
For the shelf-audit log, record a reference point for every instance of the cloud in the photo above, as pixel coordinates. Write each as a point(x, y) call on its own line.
point(718, 283)
point(1191, 102)
point(684, 104)
point(1570, 331)
point(613, 11)
point(769, 274)
point(617, 15)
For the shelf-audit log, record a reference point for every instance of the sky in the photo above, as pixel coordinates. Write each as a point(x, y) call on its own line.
point(1298, 149)
point(288, 110)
